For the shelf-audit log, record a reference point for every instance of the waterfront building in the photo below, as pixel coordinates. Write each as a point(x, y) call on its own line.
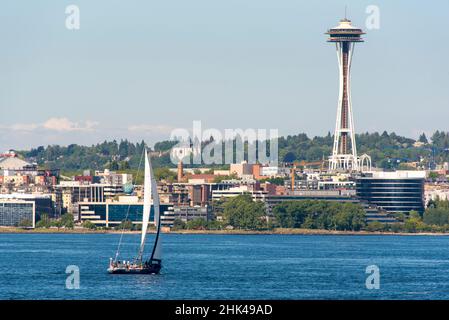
point(16, 180)
point(241, 169)
point(222, 172)
point(113, 178)
point(112, 213)
point(15, 212)
point(14, 164)
point(70, 193)
point(257, 171)
point(436, 191)
point(173, 193)
point(199, 194)
point(16, 174)
point(201, 178)
point(193, 194)
point(335, 184)
point(184, 213)
point(274, 172)
point(42, 204)
point(398, 191)
point(256, 194)
point(372, 212)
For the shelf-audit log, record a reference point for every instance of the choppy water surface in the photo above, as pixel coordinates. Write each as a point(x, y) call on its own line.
point(32, 266)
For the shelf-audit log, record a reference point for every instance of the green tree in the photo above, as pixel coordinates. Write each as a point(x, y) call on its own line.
point(433, 175)
point(114, 166)
point(25, 223)
point(276, 181)
point(197, 224)
point(214, 225)
point(375, 226)
point(396, 227)
point(56, 223)
point(67, 221)
point(89, 225)
point(243, 213)
point(164, 145)
point(125, 225)
point(437, 213)
point(164, 174)
point(308, 223)
point(414, 214)
point(124, 165)
point(44, 222)
point(179, 224)
point(219, 179)
point(319, 214)
point(413, 224)
point(423, 138)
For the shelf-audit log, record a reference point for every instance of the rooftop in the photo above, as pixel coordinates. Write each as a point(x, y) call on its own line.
point(400, 174)
point(13, 163)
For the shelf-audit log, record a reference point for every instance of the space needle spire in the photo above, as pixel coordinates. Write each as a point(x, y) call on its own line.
point(344, 153)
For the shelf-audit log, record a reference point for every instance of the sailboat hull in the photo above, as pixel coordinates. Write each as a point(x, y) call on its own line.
point(151, 269)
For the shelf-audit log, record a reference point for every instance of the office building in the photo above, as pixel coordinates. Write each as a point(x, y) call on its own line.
point(398, 191)
point(14, 213)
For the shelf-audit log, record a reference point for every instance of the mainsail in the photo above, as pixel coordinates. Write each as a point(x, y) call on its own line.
point(156, 254)
point(150, 192)
point(147, 191)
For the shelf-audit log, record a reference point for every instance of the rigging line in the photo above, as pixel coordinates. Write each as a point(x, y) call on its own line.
point(129, 206)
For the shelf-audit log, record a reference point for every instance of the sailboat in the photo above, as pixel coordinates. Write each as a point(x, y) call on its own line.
point(153, 264)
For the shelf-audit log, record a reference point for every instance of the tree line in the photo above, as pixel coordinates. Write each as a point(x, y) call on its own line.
point(434, 219)
point(387, 150)
point(320, 214)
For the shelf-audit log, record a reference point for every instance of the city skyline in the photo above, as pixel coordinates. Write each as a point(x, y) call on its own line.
point(139, 70)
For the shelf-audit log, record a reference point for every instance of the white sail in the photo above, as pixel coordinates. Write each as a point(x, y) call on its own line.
point(147, 193)
point(157, 254)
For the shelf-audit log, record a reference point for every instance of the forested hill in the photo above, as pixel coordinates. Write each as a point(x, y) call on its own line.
point(386, 150)
point(113, 155)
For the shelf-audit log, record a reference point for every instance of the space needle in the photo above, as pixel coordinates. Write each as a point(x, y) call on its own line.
point(344, 153)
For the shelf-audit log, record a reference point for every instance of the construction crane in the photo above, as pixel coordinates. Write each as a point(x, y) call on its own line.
point(292, 174)
point(304, 164)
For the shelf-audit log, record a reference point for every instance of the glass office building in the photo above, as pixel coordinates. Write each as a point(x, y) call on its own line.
point(43, 204)
point(399, 191)
point(113, 213)
point(15, 212)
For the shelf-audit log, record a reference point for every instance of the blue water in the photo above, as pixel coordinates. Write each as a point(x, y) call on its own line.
point(32, 266)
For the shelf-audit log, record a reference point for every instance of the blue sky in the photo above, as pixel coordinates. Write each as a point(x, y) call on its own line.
point(138, 69)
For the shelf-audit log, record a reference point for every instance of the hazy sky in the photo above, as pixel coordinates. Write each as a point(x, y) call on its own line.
point(137, 69)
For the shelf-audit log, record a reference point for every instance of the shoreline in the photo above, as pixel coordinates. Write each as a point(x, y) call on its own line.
point(277, 231)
